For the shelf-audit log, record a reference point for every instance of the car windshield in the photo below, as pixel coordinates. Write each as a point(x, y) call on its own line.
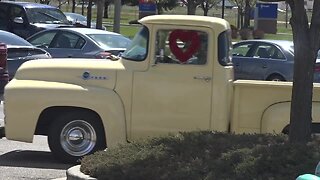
point(110, 40)
point(46, 15)
point(291, 49)
point(76, 17)
point(139, 46)
point(10, 39)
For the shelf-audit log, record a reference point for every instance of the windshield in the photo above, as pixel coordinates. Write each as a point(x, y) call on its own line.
point(46, 15)
point(110, 40)
point(75, 17)
point(291, 49)
point(137, 51)
point(9, 39)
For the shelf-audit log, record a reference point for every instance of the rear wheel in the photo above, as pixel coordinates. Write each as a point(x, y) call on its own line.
point(75, 135)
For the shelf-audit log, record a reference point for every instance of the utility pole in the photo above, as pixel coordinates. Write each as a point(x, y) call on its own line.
point(117, 12)
point(223, 6)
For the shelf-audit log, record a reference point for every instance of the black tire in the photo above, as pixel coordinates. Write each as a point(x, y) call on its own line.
point(276, 77)
point(76, 134)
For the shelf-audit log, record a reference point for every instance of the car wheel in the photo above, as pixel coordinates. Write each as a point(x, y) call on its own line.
point(76, 134)
point(276, 78)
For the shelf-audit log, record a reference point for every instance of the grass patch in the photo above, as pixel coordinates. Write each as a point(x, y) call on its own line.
point(205, 155)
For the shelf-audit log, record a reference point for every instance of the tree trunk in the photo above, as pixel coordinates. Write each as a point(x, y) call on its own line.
point(100, 4)
point(238, 18)
point(159, 9)
point(73, 6)
point(304, 58)
point(106, 11)
point(82, 7)
point(89, 13)
point(191, 8)
point(205, 11)
point(247, 15)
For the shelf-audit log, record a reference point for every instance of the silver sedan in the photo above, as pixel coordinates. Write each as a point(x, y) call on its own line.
point(80, 42)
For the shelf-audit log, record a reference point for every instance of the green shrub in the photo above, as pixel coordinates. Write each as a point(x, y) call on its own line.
point(205, 155)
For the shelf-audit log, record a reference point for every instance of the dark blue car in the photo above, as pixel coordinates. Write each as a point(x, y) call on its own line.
point(25, 18)
point(264, 59)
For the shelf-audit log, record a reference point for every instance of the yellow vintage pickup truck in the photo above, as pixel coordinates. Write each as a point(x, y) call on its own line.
point(176, 76)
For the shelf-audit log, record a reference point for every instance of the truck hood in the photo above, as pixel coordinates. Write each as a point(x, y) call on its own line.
point(83, 72)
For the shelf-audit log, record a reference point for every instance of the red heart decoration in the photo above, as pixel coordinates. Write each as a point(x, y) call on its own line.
point(190, 37)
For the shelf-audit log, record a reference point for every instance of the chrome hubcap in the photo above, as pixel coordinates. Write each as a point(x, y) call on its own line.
point(78, 138)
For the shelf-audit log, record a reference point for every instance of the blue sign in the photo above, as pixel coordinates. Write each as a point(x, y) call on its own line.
point(267, 10)
point(149, 7)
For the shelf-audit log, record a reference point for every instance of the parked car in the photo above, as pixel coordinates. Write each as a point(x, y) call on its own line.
point(80, 42)
point(25, 18)
point(266, 60)
point(20, 51)
point(80, 20)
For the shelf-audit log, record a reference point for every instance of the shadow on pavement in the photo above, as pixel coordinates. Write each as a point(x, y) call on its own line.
point(32, 159)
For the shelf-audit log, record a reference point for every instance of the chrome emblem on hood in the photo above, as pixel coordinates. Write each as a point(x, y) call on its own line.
point(86, 76)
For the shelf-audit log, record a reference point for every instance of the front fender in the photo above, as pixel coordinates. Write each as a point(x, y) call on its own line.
point(277, 116)
point(30, 98)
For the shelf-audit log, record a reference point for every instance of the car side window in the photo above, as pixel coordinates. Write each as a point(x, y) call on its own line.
point(3, 17)
point(68, 40)
point(276, 53)
point(43, 40)
point(17, 12)
point(177, 46)
point(269, 52)
point(242, 50)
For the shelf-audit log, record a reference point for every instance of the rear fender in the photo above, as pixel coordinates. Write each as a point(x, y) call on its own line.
point(276, 118)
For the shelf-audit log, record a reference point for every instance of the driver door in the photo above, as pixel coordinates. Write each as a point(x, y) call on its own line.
point(173, 96)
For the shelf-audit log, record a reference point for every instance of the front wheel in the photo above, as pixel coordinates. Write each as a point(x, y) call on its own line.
point(76, 134)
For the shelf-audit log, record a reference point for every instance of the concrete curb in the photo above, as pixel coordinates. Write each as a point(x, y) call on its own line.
point(74, 173)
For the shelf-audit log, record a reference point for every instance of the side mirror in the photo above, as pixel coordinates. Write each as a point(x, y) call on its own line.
point(18, 20)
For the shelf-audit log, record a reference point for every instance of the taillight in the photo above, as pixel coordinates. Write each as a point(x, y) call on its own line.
point(3, 55)
point(4, 75)
point(317, 68)
point(103, 55)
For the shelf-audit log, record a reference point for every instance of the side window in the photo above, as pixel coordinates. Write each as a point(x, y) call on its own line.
point(224, 47)
point(269, 51)
point(68, 40)
point(4, 17)
point(17, 12)
point(242, 50)
point(176, 46)
point(43, 40)
point(276, 53)
point(138, 49)
point(263, 51)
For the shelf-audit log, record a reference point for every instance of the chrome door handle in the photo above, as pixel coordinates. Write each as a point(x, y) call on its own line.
point(205, 78)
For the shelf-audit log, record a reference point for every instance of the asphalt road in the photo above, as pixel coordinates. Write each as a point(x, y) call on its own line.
point(24, 161)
